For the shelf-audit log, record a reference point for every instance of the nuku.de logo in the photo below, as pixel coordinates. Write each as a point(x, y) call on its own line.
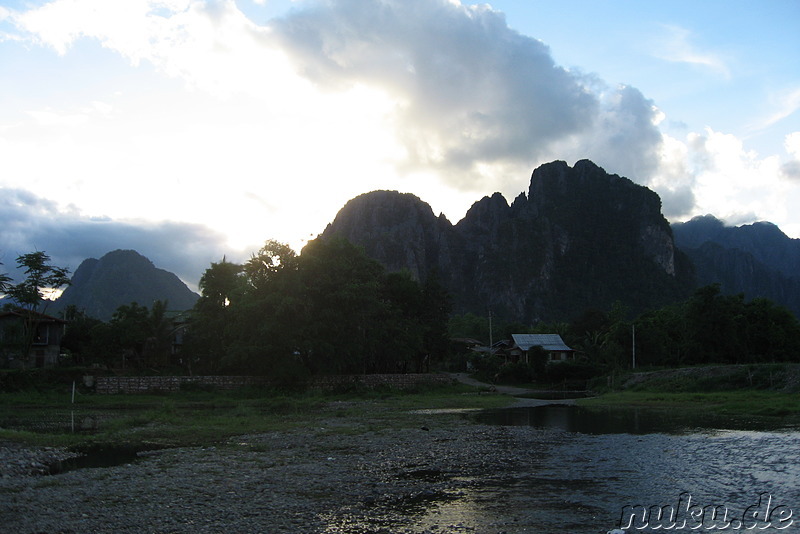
point(686, 515)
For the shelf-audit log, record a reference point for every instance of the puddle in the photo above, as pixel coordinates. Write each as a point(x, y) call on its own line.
point(619, 420)
point(103, 457)
point(434, 411)
point(51, 422)
point(555, 395)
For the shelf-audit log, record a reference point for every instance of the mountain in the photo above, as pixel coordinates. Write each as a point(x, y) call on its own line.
point(581, 238)
point(757, 259)
point(120, 277)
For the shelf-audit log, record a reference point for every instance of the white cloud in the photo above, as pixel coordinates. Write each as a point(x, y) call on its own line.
point(677, 47)
point(784, 104)
point(791, 169)
point(475, 101)
point(728, 180)
point(280, 124)
point(792, 144)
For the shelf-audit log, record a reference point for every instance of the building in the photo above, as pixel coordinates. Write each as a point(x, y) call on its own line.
point(552, 344)
point(40, 334)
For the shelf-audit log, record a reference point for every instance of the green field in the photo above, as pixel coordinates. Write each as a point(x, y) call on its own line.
point(203, 418)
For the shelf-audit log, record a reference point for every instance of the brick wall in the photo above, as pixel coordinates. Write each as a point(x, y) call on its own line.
point(144, 384)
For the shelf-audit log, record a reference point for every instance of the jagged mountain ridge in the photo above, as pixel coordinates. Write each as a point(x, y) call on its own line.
point(581, 238)
point(100, 286)
point(757, 259)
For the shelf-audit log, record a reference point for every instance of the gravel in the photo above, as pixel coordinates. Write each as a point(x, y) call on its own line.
point(321, 479)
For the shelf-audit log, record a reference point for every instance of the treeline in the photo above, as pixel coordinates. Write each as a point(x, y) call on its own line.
point(331, 310)
point(707, 328)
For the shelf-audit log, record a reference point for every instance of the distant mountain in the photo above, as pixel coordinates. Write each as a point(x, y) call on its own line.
point(758, 259)
point(581, 238)
point(120, 277)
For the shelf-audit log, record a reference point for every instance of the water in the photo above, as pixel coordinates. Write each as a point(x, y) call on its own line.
point(620, 420)
point(48, 421)
point(589, 464)
point(564, 469)
point(99, 458)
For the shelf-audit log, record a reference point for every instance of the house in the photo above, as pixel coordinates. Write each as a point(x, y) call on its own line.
point(22, 329)
point(557, 350)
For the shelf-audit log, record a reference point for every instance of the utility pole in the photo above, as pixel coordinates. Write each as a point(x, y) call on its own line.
point(633, 345)
point(491, 342)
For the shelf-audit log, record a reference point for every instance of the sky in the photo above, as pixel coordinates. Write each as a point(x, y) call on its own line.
point(190, 130)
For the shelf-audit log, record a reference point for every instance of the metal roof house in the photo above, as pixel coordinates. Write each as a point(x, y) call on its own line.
point(557, 350)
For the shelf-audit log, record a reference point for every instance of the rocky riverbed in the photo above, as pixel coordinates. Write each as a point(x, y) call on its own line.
point(439, 473)
point(325, 479)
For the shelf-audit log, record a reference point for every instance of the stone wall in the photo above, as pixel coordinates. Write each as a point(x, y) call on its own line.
point(149, 384)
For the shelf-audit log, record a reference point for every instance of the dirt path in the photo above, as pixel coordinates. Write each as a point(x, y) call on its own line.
point(511, 391)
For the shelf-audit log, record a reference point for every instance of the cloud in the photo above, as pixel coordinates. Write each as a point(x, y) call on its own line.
point(343, 96)
point(677, 47)
point(791, 169)
point(31, 223)
point(730, 181)
point(785, 104)
point(466, 96)
point(470, 92)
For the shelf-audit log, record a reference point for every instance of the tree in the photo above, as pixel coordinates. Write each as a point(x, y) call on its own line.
point(210, 335)
point(78, 340)
point(339, 285)
point(129, 332)
point(4, 282)
point(436, 308)
point(270, 260)
point(41, 279)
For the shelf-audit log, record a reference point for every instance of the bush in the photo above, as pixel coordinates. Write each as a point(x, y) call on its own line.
point(486, 368)
point(41, 379)
point(569, 371)
point(197, 387)
point(515, 373)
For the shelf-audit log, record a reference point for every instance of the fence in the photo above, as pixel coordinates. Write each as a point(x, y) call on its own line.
point(149, 384)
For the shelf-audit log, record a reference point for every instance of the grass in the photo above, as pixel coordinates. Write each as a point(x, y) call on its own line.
point(204, 418)
point(759, 403)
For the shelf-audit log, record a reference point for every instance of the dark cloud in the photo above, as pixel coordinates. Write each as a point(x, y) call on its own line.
point(677, 203)
point(623, 135)
point(791, 170)
point(472, 89)
point(30, 223)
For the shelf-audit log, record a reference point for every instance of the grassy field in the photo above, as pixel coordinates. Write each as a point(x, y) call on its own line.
point(204, 418)
point(192, 418)
point(754, 403)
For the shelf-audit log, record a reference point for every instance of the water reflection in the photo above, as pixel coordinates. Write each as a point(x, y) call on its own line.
point(620, 420)
point(53, 421)
point(571, 469)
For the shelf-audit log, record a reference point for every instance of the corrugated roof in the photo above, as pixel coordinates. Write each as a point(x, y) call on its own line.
point(549, 342)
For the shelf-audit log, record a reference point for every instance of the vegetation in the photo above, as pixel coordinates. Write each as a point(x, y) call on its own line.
point(30, 299)
point(209, 417)
point(41, 278)
point(708, 328)
point(331, 310)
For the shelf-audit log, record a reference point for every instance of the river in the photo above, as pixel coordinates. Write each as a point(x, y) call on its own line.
point(548, 469)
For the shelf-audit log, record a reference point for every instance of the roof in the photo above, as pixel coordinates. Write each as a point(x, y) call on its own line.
point(24, 313)
point(549, 342)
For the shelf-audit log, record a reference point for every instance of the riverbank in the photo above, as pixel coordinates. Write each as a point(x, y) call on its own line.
point(428, 471)
point(764, 390)
point(399, 464)
point(385, 463)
